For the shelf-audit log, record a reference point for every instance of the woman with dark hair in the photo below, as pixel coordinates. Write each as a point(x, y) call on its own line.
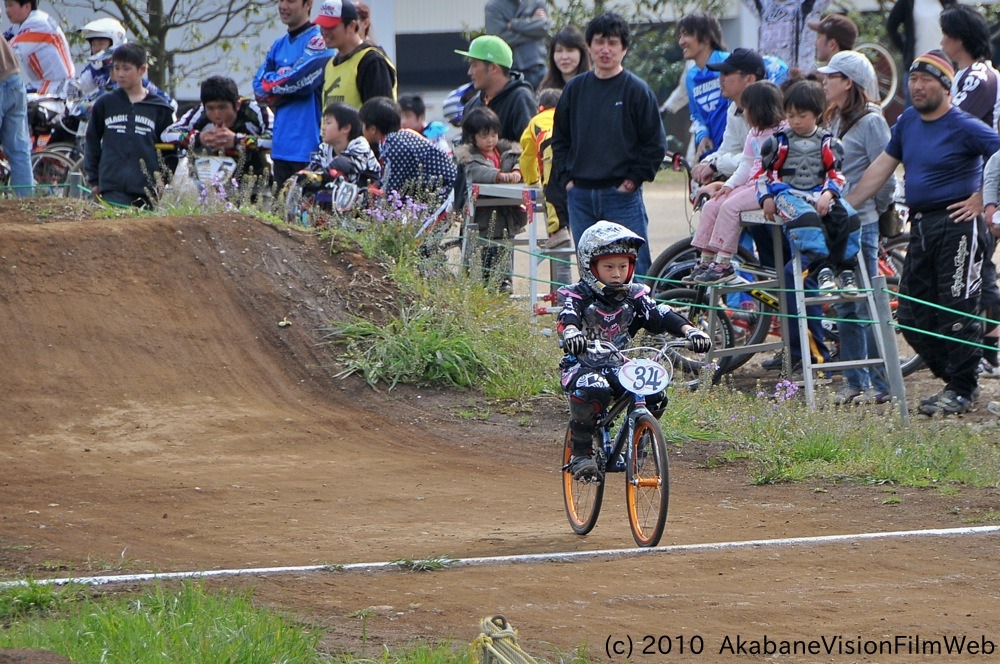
point(863, 133)
point(568, 56)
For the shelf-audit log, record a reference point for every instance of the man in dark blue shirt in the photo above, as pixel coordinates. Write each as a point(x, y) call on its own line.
point(607, 138)
point(943, 150)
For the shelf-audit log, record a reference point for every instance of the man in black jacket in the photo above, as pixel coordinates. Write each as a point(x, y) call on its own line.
point(608, 138)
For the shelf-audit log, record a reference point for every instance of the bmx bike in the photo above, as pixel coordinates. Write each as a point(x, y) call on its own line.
point(627, 439)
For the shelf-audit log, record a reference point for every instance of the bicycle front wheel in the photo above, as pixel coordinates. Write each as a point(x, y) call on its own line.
point(582, 498)
point(647, 486)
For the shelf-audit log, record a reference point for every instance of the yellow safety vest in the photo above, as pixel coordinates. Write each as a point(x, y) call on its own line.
point(340, 81)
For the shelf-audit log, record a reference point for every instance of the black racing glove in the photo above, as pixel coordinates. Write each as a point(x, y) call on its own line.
point(574, 343)
point(698, 341)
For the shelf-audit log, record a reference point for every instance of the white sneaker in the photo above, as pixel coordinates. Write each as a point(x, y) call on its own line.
point(827, 284)
point(987, 370)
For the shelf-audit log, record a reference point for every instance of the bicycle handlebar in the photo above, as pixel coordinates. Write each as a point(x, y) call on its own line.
point(606, 347)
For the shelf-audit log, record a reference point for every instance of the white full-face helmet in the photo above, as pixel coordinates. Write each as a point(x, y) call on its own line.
point(606, 239)
point(104, 28)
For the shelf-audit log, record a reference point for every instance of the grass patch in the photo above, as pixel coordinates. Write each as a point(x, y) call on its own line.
point(784, 440)
point(32, 598)
point(449, 330)
point(161, 625)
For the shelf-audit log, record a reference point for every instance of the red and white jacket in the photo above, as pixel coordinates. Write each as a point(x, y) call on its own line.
point(41, 46)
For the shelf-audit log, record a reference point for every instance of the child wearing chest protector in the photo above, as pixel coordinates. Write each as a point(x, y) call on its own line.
point(802, 182)
point(604, 304)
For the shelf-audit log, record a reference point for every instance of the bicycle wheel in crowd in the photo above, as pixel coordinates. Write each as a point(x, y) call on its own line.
point(690, 303)
point(647, 486)
point(582, 498)
point(886, 71)
point(441, 251)
point(751, 318)
point(51, 171)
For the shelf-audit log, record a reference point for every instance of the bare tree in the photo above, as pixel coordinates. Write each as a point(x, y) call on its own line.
point(172, 28)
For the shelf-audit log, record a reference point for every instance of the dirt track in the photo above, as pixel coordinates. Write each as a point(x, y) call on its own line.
point(157, 417)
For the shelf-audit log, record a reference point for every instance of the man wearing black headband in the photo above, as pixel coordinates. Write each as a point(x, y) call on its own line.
point(943, 150)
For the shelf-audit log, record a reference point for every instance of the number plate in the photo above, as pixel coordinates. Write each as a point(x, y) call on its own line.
point(642, 376)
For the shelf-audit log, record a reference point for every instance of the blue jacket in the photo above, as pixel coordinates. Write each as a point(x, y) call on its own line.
point(708, 106)
point(291, 81)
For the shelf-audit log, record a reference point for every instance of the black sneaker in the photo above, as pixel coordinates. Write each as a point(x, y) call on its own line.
point(777, 363)
point(692, 276)
point(582, 467)
point(715, 274)
point(949, 403)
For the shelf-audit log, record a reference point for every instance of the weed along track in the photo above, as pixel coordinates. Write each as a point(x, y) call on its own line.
point(158, 418)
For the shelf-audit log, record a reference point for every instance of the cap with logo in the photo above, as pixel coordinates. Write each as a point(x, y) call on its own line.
point(334, 12)
point(838, 28)
point(744, 60)
point(490, 48)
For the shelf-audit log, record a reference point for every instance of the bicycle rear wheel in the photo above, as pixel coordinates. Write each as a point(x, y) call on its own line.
point(886, 72)
point(582, 498)
point(51, 171)
point(909, 360)
point(647, 487)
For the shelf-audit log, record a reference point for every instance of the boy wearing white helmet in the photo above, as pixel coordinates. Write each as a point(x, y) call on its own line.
point(104, 35)
point(605, 304)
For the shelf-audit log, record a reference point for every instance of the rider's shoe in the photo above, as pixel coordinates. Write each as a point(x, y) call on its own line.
point(582, 467)
point(987, 370)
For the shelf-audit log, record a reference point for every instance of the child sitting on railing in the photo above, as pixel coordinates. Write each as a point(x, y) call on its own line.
point(719, 229)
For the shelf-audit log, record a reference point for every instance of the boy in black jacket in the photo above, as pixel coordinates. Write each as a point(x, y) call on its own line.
point(121, 162)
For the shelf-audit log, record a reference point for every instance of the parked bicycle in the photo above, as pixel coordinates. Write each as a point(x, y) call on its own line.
point(749, 317)
point(627, 439)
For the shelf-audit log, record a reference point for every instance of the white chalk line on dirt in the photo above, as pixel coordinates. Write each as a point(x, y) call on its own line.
point(512, 559)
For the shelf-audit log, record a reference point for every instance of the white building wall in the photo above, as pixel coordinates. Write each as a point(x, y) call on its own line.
point(390, 17)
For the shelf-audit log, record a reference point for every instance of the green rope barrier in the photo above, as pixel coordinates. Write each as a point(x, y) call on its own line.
point(953, 311)
point(939, 335)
